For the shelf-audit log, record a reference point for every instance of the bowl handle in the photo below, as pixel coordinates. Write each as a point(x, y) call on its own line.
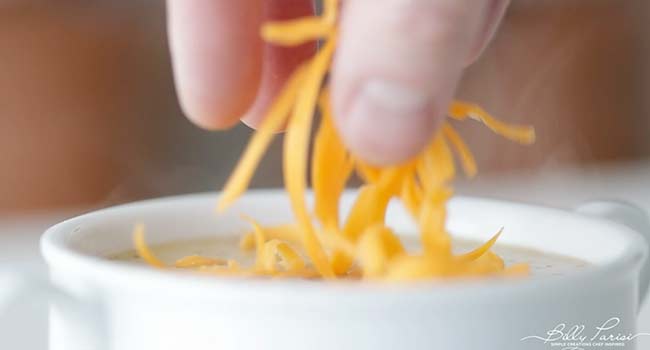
point(28, 283)
point(631, 216)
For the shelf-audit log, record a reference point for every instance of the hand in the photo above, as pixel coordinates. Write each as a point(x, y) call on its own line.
point(395, 71)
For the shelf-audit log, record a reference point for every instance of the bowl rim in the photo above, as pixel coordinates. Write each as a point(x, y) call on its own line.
point(145, 280)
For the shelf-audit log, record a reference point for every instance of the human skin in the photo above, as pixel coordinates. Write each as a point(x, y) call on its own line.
point(94, 117)
point(396, 68)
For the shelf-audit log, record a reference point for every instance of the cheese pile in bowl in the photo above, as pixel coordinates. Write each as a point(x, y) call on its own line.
point(320, 244)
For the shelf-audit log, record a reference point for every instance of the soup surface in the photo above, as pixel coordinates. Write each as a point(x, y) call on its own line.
point(227, 247)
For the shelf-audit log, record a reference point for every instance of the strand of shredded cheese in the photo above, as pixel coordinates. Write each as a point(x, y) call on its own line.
point(296, 32)
point(287, 233)
point(143, 250)
point(329, 153)
point(296, 144)
point(465, 155)
point(463, 110)
point(301, 30)
point(193, 261)
point(275, 118)
point(478, 252)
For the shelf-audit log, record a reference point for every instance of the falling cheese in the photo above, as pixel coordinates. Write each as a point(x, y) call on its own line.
point(320, 244)
point(329, 153)
point(463, 110)
point(275, 118)
point(465, 155)
point(296, 145)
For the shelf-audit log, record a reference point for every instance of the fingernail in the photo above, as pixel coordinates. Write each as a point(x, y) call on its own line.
point(382, 112)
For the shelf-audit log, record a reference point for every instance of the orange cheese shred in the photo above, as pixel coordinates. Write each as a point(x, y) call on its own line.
point(339, 245)
point(411, 195)
point(274, 120)
point(462, 110)
point(260, 239)
point(296, 144)
point(435, 169)
point(416, 267)
point(330, 11)
point(328, 154)
point(368, 173)
point(142, 249)
point(433, 212)
point(488, 263)
point(466, 157)
point(193, 261)
point(302, 30)
point(376, 247)
point(296, 32)
point(290, 260)
point(478, 252)
point(287, 233)
point(368, 209)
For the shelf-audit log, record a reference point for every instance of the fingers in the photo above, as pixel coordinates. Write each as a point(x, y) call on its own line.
point(217, 57)
point(395, 72)
point(496, 11)
point(222, 68)
point(279, 62)
point(396, 69)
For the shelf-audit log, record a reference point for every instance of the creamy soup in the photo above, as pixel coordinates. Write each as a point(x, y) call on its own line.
point(541, 264)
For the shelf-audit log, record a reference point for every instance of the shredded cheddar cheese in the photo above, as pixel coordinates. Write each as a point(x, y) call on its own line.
point(320, 244)
point(143, 250)
point(197, 261)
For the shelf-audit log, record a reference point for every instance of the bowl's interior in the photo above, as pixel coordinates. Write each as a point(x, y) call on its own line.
point(547, 230)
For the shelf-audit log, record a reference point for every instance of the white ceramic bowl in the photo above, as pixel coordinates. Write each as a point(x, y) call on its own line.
point(102, 304)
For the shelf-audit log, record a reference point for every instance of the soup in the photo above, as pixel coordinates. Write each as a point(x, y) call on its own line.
point(541, 264)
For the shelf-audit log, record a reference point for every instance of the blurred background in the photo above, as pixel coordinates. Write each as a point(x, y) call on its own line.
point(89, 115)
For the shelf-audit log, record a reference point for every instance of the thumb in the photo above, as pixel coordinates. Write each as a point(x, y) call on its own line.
point(397, 67)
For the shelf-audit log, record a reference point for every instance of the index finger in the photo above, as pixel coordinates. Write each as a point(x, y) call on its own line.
point(217, 57)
